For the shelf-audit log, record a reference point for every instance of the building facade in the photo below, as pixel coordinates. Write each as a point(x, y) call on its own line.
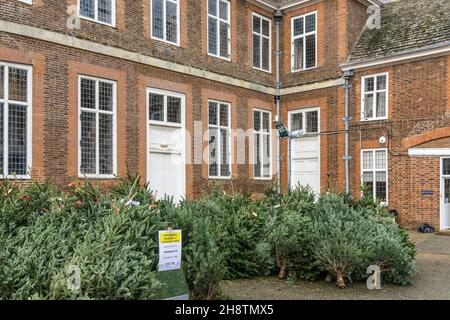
point(182, 93)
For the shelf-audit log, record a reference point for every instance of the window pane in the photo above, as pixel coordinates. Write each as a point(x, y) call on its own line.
point(265, 54)
point(298, 26)
point(266, 156)
point(212, 35)
point(105, 11)
point(380, 187)
point(256, 51)
point(297, 121)
point(446, 167)
point(88, 143)
point(266, 122)
point(368, 182)
point(87, 8)
point(256, 24)
point(171, 21)
point(310, 23)
point(2, 80)
point(224, 121)
point(213, 154)
point(212, 7)
point(367, 160)
point(310, 51)
point(266, 28)
point(17, 140)
point(173, 109)
point(158, 19)
point(298, 54)
point(381, 104)
point(312, 122)
point(87, 93)
point(223, 10)
point(18, 84)
point(380, 159)
point(223, 39)
point(1, 138)
point(156, 103)
point(369, 84)
point(257, 120)
point(212, 113)
point(257, 155)
point(105, 136)
point(106, 96)
point(381, 82)
point(225, 146)
point(368, 106)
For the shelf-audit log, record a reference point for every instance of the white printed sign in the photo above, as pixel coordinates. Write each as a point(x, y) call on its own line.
point(169, 250)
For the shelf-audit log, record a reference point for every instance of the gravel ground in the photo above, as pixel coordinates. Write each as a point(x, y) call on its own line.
point(432, 281)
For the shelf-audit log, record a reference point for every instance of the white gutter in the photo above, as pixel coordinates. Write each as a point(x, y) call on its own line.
point(400, 57)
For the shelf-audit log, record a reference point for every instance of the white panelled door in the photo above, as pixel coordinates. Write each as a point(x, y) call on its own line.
point(445, 194)
point(166, 144)
point(305, 157)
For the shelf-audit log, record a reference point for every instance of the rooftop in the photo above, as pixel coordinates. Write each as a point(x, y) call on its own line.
point(405, 25)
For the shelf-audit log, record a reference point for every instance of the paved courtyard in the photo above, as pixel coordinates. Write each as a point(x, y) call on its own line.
point(432, 280)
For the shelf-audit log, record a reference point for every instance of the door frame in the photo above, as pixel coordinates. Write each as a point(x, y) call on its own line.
point(441, 193)
point(304, 110)
point(182, 126)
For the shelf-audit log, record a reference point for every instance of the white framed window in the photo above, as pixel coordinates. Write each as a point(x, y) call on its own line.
point(374, 172)
point(102, 11)
point(219, 145)
point(262, 144)
point(262, 43)
point(97, 127)
point(304, 42)
point(27, 1)
point(165, 24)
point(219, 34)
point(15, 120)
point(165, 108)
point(306, 120)
point(374, 97)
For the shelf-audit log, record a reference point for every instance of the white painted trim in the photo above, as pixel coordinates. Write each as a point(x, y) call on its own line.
point(374, 170)
point(261, 36)
point(303, 37)
point(148, 123)
point(96, 111)
point(429, 152)
point(375, 91)
point(217, 17)
point(95, 19)
point(261, 149)
point(417, 54)
point(231, 146)
point(319, 158)
point(177, 43)
point(441, 193)
point(29, 105)
point(27, 1)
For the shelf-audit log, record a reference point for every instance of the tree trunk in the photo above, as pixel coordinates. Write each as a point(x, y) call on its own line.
point(340, 280)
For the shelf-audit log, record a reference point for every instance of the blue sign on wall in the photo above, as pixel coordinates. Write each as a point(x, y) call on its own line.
point(426, 192)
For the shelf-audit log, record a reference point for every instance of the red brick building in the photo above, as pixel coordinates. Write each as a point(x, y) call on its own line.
point(182, 92)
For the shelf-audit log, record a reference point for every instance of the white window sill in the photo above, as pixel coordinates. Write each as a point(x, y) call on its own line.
point(21, 177)
point(263, 70)
point(112, 25)
point(219, 57)
point(373, 119)
point(301, 70)
point(97, 177)
point(219, 178)
point(176, 44)
point(263, 179)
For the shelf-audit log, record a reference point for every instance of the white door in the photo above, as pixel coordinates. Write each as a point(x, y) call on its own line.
point(445, 194)
point(166, 165)
point(305, 153)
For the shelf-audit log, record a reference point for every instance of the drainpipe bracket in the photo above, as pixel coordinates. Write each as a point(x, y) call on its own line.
point(348, 86)
point(347, 119)
point(347, 158)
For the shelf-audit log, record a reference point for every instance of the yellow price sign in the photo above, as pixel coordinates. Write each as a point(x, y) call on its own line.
point(169, 237)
